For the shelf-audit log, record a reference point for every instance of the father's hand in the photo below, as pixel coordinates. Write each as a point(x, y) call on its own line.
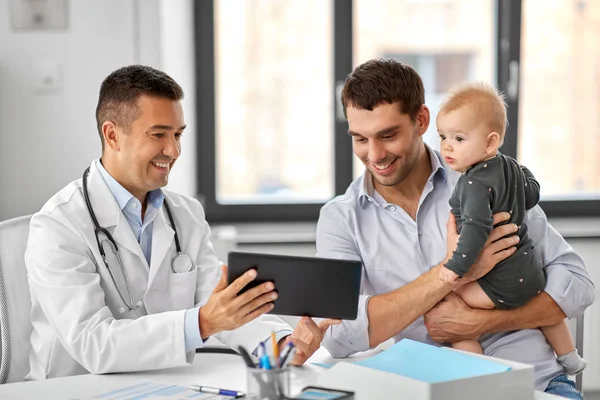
point(495, 250)
point(307, 337)
point(452, 320)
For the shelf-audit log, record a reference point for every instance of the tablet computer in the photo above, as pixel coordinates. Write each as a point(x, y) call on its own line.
point(311, 286)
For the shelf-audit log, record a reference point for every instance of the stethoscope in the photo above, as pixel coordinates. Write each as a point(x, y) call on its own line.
point(181, 263)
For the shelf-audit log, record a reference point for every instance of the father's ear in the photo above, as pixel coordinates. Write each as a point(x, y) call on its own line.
point(423, 119)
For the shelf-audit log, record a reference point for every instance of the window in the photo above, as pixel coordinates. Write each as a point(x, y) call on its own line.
point(266, 79)
point(274, 125)
point(548, 63)
point(559, 98)
point(273, 143)
point(434, 37)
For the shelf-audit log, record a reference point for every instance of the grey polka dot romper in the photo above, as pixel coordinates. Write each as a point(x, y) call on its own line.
point(495, 185)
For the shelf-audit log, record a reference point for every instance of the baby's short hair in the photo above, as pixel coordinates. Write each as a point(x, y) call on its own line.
point(487, 103)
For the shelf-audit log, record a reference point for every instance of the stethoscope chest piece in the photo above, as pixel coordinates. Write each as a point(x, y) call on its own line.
point(181, 263)
point(123, 310)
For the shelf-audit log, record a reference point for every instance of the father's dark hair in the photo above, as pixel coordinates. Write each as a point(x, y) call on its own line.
point(121, 89)
point(381, 81)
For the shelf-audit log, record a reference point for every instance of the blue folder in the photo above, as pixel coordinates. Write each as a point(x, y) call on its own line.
point(431, 364)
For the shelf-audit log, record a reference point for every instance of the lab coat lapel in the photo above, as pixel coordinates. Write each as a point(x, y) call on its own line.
point(109, 214)
point(162, 242)
point(124, 237)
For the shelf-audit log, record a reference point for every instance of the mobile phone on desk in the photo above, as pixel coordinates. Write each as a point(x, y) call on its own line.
point(321, 393)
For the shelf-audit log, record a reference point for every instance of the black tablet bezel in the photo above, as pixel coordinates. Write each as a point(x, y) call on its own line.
point(312, 286)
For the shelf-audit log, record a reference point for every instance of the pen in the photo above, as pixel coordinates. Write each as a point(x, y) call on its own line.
point(246, 357)
point(275, 349)
point(264, 358)
point(211, 390)
point(288, 358)
point(285, 351)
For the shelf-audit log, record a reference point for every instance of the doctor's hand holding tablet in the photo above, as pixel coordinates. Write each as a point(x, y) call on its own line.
point(225, 310)
point(310, 287)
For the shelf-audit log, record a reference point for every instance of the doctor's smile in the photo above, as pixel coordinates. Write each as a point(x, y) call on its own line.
point(162, 166)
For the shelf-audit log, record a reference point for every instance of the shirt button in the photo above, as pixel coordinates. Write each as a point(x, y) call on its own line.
point(392, 208)
point(420, 233)
point(134, 205)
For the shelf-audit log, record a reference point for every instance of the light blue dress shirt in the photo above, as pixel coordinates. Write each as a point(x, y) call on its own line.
point(132, 209)
point(395, 250)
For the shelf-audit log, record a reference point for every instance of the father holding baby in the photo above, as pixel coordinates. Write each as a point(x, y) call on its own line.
point(395, 220)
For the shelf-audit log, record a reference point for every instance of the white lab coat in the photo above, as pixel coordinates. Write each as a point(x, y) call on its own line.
point(77, 326)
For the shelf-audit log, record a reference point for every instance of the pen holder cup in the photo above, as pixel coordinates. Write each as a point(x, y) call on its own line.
point(268, 384)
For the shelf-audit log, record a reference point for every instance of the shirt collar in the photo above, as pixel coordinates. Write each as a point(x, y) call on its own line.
point(367, 190)
point(123, 196)
point(438, 168)
point(156, 198)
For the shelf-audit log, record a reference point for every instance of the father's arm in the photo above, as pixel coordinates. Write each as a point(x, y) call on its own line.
point(568, 293)
point(383, 316)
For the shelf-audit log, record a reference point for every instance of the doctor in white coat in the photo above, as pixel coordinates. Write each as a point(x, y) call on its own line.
point(159, 292)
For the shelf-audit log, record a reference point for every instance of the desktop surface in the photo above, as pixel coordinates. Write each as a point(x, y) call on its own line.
point(217, 370)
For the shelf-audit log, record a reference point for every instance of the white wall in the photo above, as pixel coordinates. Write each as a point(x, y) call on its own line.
point(47, 140)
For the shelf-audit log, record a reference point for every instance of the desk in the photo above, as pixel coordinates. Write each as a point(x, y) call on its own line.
point(220, 370)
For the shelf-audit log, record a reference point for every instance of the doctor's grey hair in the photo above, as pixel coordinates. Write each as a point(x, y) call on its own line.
point(121, 89)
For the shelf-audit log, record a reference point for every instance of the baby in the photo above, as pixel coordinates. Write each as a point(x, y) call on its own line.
point(471, 124)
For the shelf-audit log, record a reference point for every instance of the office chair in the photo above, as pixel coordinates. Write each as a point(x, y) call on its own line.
point(579, 346)
point(15, 303)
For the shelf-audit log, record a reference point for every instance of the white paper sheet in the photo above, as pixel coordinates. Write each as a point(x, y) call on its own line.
point(154, 391)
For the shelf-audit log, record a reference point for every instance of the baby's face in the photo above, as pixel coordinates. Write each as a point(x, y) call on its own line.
point(462, 141)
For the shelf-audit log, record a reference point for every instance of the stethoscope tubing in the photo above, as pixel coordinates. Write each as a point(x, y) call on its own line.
point(99, 230)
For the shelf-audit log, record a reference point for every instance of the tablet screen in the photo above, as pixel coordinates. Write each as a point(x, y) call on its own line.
point(311, 286)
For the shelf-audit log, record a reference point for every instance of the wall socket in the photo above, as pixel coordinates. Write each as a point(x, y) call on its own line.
point(48, 77)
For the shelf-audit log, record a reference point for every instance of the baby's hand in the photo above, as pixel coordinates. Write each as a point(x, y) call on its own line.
point(448, 276)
